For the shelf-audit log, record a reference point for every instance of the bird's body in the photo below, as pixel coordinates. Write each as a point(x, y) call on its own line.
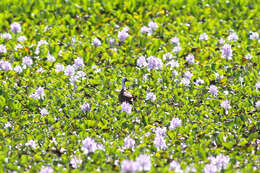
point(125, 96)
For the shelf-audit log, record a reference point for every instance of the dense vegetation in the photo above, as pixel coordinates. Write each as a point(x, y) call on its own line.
point(193, 67)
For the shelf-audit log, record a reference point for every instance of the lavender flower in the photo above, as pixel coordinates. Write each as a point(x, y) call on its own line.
point(175, 122)
point(159, 142)
point(199, 82)
point(79, 63)
point(59, 68)
point(85, 107)
point(6, 36)
point(128, 166)
point(167, 56)
point(221, 161)
point(225, 104)
point(190, 59)
point(111, 42)
point(16, 27)
point(44, 111)
point(122, 35)
point(221, 41)
point(176, 49)
point(213, 90)
point(185, 81)
point(126, 107)
point(147, 30)
point(96, 42)
point(18, 69)
point(257, 86)
point(38, 94)
point(69, 71)
point(210, 168)
point(144, 162)
point(248, 56)
point(51, 58)
point(257, 104)
point(153, 25)
point(150, 96)
point(31, 143)
point(226, 51)
point(160, 131)
point(188, 75)
point(154, 63)
point(232, 37)
point(47, 170)
point(21, 38)
point(2, 48)
point(173, 64)
point(253, 35)
point(75, 162)
point(5, 65)
point(129, 142)
point(175, 40)
point(141, 62)
point(89, 145)
point(27, 61)
point(175, 166)
point(203, 37)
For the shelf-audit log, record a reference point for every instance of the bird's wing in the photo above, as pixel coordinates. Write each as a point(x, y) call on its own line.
point(127, 94)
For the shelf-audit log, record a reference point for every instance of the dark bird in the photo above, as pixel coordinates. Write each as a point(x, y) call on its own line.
point(124, 95)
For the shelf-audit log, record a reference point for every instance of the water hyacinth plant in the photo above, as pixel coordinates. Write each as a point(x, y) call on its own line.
point(191, 103)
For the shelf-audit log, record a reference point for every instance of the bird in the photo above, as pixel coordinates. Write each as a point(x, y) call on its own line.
point(125, 96)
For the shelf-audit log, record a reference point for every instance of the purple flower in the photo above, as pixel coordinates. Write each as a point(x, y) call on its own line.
point(167, 56)
point(85, 107)
point(190, 59)
point(2, 48)
point(199, 82)
point(144, 162)
point(111, 41)
point(122, 35)
point(175, 122)
point(150, 96)
point(75, 162)
point(225, 104)
point(79, 63)
point(257, 104)
point(147, 30)
point(27, 61)
point(153, 25)
point(173, 64)
point(175, 40)
point(226, 51)
point(175, 166)
point(18, 69)
point(21, 38)
point(129, 142)
point(210, 168)
point(16, 27)
point(248, 56)
point(141, 61)
point(126, 107)
point(128, 166)
point(59, 68)
point(38, 94)
point(203, 37)
point(232, 37)
point(44, 111)
point(159, 142)
point(185, 81)
point(221, 161)
point(89, 145)
point(5, 65)
point(253, 35)
point(221, 41)
point(69, 71)
point(213, 90)
point(160, 131)
point(47, 170)
point(188, 75)
point(176, 49)
point(50, 58)
point(154, 63)
point(6, 36)
point(96, 42)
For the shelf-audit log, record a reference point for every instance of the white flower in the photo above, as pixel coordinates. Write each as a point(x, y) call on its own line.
point(175, 122)
point(150, 96)
point(16, 27)
point(59, 68)
point(69, 71)
point(2, 48)
point(44, 111)
point(75, 162)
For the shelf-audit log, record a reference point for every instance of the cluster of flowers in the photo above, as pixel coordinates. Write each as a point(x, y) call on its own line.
point(151, 63)
point(152, 26)
point(142, 163)
point(216, 164)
